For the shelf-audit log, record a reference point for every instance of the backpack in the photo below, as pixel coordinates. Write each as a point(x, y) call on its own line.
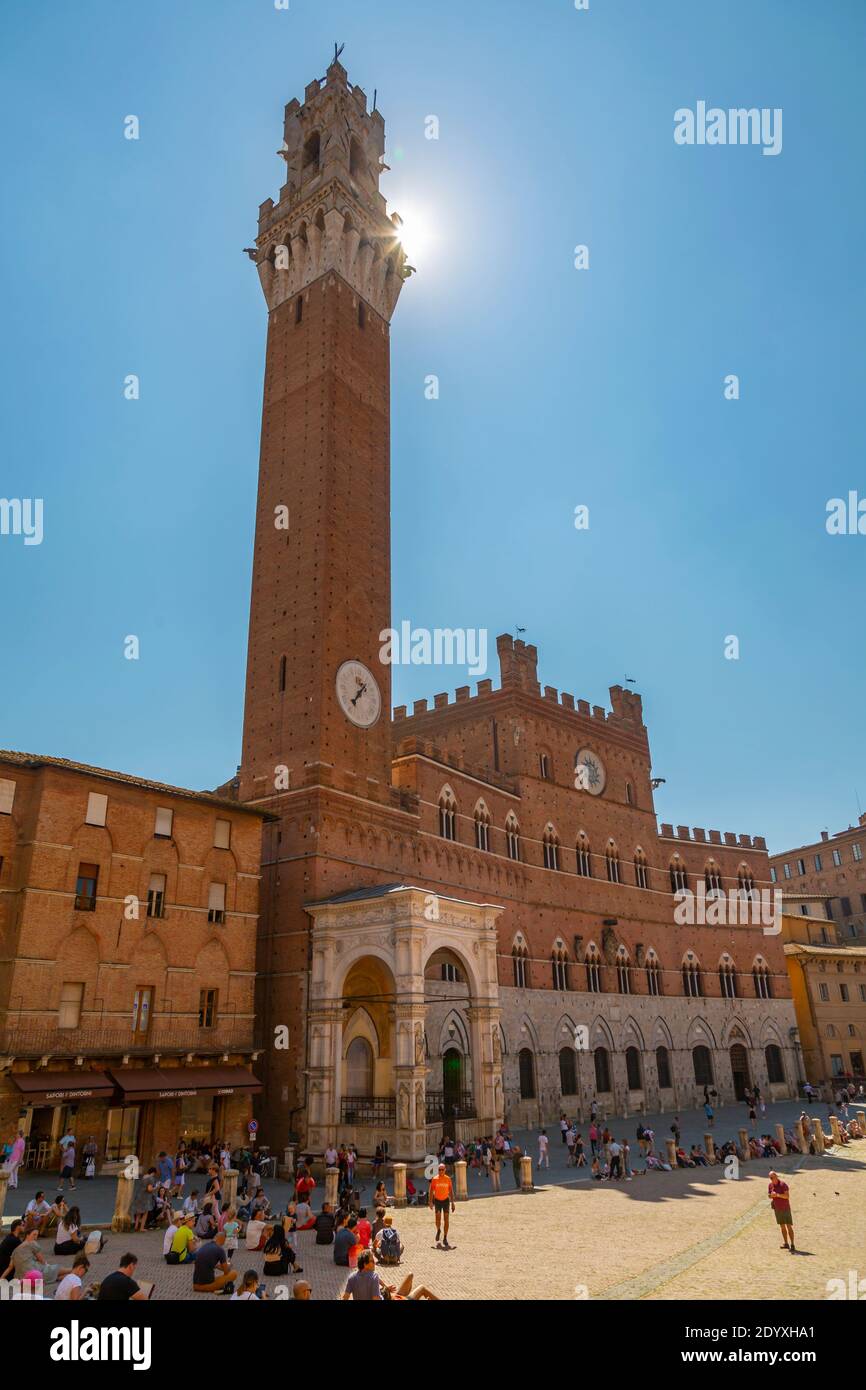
point(389, 1246)
point(639, 1132)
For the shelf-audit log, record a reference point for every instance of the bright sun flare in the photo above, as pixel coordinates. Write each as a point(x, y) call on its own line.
point(416, 235)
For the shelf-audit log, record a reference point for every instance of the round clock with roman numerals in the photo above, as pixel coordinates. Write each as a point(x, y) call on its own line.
point(358, 694)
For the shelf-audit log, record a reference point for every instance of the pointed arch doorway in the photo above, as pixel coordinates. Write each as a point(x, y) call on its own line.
point(740, 1071)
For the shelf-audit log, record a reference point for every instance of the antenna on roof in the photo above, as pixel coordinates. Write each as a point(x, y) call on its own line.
point(520, 629)
point(629, 680)
point(338, 51)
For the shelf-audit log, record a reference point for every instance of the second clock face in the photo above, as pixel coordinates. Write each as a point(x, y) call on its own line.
point(358, 694)
point(589, 773)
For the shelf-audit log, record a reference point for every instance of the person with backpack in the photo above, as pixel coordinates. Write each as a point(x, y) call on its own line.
point(387, 1245)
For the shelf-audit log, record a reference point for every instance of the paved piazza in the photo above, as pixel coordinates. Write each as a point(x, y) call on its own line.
point(682, 1235)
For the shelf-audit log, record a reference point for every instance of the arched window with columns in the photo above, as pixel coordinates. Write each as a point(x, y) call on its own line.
point(641, 869)
point(559, 964)
point(727, 977)
point(623, 974)
point(653, 973)
point(482, 826)
point(679, 876)
point(693, 987)
point(520, 963)
point(592, 961)
point(712, 878)
point(762, 979)
point(611, 859)
point(447, 814)
point(512, 836)
point(550, 846)
point(584, 858)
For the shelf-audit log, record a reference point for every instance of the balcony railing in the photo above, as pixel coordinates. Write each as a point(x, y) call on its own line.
point(33, 1037)
point(377, 1111)
point(442, 1108)
point(85, 903)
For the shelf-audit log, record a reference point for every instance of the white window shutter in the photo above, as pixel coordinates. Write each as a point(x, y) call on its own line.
point(222, 834)
point(7, 796)
point(164, 818)
point(97, 806)
point(157, 883)
point(216, 900)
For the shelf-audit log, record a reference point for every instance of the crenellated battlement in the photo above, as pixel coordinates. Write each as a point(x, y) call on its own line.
point(725, 839)
point(518, 664)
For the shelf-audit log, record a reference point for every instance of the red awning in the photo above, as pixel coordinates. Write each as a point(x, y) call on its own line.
point(173, 1083)
point(62, 1087)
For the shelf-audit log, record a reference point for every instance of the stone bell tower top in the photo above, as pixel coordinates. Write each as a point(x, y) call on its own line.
point(331, 215)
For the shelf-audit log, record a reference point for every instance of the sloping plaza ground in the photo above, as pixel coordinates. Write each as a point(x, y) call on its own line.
point(682, 1235)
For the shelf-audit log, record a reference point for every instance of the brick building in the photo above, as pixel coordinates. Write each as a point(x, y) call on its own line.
point(831, 871)
point(452, 898)
point(828, 982)
point(128, 928)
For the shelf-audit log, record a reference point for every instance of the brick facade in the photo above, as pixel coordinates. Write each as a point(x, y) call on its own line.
point(105, 966)
point(362, 808)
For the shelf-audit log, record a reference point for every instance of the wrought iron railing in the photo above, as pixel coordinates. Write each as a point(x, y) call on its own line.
point(378, 1111)
point(443, 1107)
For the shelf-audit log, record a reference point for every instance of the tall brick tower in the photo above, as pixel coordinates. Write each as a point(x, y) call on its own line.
point(331, 267)
point(317, 721)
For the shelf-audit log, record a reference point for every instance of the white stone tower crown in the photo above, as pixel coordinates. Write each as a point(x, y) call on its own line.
point(331, 215)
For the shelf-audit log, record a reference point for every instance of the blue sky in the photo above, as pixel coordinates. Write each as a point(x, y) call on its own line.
point(558, 387)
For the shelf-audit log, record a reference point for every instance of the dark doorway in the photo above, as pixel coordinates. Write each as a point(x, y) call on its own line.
point(740, 1070)
point(452, 1082)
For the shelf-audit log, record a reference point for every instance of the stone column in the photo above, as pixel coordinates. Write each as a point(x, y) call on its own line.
point(780, 1138)
point(672, 1152)
point(461, 1191)
point(525, 1173)
point(834, 1129)
point(861, 1120)
point(800, 1137)
point(744, 1145)
point(709, 1145)
point(4, 1187)
point(323, 1102)
point(290, 1153)
point(121, 1220)
point(332, 1181)
point(818, 1131)
point(487, 1065)
point(229, 1184)
point(399, 1184)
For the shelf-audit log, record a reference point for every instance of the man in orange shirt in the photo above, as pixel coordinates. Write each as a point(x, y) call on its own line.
point(441, 1199)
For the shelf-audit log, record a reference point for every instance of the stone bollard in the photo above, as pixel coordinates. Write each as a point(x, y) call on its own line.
point(834, 1129)
point(332, 1185)
point(4, 1188)
point(780, 1139)
point(121, 1220)
point(744, 1145)
point(672, 1152)
point(800, 1137)
point(818, 1131)
point(461, 1191)
point(229, 1185)
point(710, 1147)
point(861, 1120)
point(526, 1173)
point(399, 1184)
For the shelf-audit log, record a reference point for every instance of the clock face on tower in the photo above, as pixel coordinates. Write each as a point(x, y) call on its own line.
point(589, 773)
point(358, 694)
